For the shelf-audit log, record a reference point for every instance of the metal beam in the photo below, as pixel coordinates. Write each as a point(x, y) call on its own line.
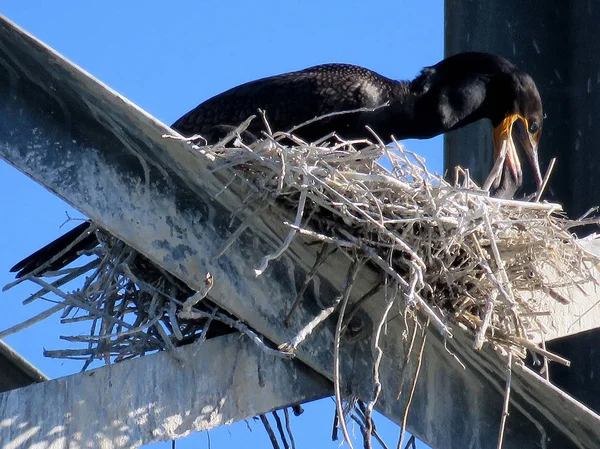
point(154, 398)
point(107, 158)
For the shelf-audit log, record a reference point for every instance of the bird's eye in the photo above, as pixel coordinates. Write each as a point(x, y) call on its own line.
point(533, 127)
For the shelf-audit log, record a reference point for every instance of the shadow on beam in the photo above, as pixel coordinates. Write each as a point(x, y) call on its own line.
point(153, 398)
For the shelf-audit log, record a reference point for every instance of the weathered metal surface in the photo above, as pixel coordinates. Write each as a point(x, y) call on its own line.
point(154, 398)
point(107, 158)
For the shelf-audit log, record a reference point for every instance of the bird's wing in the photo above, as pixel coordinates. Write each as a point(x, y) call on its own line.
point(288, 100)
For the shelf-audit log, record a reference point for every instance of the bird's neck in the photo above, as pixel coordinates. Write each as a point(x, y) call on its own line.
point(401, 117)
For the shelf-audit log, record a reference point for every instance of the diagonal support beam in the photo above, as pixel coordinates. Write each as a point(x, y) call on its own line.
point(107, 158)
point(154, 398)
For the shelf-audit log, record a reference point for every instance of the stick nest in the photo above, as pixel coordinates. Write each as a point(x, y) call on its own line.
point(457, 255)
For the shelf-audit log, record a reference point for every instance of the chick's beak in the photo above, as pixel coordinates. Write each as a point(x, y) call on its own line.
point(510, 133)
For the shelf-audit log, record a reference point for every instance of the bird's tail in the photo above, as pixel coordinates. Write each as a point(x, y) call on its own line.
point(59, 253)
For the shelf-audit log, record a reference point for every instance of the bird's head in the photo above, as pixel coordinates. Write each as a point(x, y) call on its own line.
point(470, 86)
point(517, 130)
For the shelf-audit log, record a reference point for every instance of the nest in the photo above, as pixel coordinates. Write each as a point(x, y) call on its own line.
point(457, 255)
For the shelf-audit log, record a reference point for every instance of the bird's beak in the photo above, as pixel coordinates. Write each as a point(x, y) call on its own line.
point(510, 133)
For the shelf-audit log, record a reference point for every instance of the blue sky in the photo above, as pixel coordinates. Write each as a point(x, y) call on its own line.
point(169, 59)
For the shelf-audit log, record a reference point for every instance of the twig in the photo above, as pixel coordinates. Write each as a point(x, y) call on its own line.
point(414, 385)
point(546, 179)
point(288, 427)
point(116, 335)
point(498, 258)
point(546, 367)
point(235, 132)
point(333, 114)
point(195, 314)
point(200, 294)
point(408, 354)
point(377, 387)
point(358, 304)
point(291, 346)
point(73, 274)
point(534, 348)
point(487, 318)
point(350, 277)
point(70, 299)
point(238, 232)
point(442, 328)
point(411, 443)
point(323, 238)
point(362, 409)
point(269, 430)
point(506, 400)
point(485, 266)
point(321, 257)
point(280, 429)
point(288, 240)
point(169, 344)
point(33, 320)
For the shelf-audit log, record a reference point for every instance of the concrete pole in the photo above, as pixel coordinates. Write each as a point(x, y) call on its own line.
point(558, 43)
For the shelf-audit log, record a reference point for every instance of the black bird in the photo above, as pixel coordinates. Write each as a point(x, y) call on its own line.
point(453, 93)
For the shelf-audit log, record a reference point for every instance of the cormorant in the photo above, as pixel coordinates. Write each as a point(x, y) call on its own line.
point(458, 90)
